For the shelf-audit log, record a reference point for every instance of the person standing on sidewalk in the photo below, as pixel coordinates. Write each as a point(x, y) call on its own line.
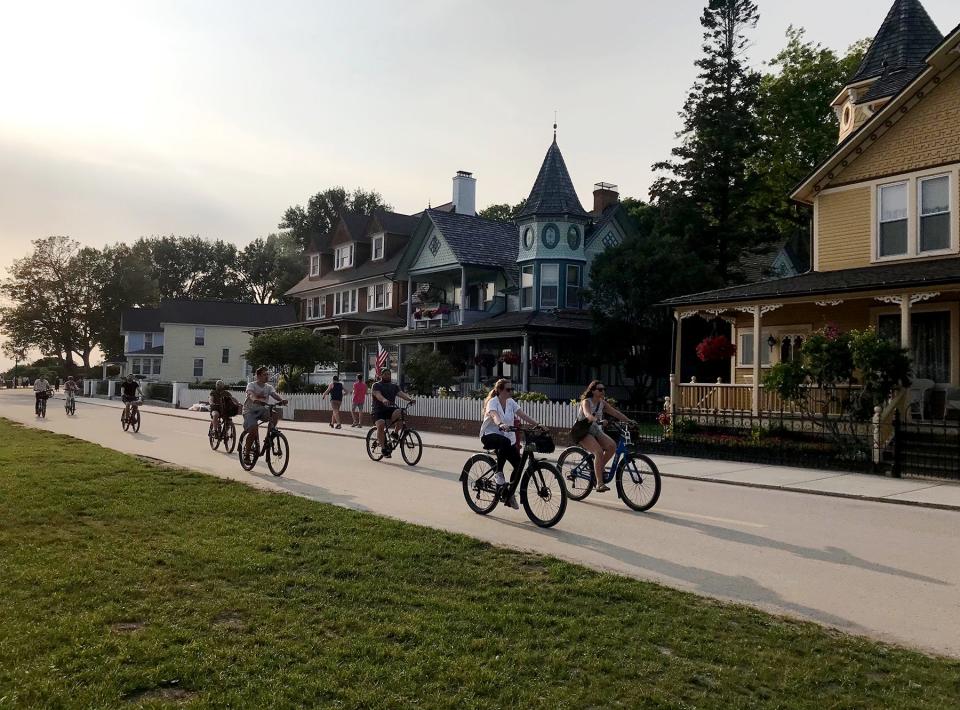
point(359, 396)
point(335, 390)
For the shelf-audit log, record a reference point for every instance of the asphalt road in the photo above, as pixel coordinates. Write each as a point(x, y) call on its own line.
point(886, 571)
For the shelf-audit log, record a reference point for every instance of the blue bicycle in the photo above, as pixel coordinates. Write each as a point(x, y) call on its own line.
point(638, 479)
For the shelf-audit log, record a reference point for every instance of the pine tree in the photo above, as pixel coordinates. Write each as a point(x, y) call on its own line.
point(705, 199)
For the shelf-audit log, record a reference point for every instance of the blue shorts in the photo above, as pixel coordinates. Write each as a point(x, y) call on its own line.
point(255, 415)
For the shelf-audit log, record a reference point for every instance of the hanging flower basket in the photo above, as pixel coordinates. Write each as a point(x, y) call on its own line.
point(487, 360)
point(540, 360)
point(510, 358)
point(716, 347)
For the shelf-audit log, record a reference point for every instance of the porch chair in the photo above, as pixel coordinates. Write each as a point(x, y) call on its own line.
point(917, 395)
point(951, 401)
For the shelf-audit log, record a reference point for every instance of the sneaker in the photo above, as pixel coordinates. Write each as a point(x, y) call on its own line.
point(499, 479)
point(512, 501)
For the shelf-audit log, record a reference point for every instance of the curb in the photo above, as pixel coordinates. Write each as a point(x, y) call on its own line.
point(679, 476)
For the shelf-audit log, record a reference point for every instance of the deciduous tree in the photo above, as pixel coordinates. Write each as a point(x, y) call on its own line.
point(320, 214)
point(292, 353)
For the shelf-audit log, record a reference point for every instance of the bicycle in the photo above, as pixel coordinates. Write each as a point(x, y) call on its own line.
point(41, 405)
point(274, 448)
point(407, 440)
point(131, 417)
point(225, 432)
point(70, 404)
point(636, 474)
point(542, 492)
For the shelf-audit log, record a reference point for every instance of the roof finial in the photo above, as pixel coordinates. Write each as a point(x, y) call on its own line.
point(554, 126)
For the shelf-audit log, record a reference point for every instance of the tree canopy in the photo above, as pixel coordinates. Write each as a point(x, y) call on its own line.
point(322, 210)
point(293, 353)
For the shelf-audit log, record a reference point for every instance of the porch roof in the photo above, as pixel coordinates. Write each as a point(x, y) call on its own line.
point(892, 277)
point(512, 322)
point(366, 317)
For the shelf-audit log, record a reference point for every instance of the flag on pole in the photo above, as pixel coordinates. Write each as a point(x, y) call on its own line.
point(381, 357)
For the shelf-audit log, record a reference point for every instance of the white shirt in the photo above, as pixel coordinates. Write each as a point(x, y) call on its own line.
point(261, 392)
point(40, 385)
point(507, 415)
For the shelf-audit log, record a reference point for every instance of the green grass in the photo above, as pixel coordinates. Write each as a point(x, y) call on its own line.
point(126, 584)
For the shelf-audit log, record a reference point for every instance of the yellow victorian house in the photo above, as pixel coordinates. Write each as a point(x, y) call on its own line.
point(886, 231)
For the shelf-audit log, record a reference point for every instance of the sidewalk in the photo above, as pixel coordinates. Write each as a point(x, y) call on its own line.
point(905, 491)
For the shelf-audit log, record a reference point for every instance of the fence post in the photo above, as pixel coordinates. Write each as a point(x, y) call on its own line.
point(897, 446)
point(877, 437)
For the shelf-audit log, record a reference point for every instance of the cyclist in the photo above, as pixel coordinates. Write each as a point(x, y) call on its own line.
point(222, 403)
point(500, 412)
point(385, 411)
point(130, 394)
point(70, 388)
point(41, 390)
point(593, 407)
point(259, 394)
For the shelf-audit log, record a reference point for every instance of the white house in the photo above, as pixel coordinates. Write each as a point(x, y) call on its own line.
point(183, 341)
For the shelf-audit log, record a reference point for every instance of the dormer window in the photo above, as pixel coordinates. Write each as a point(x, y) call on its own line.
point(314, 264)
point(344, 257)
point(377, 247)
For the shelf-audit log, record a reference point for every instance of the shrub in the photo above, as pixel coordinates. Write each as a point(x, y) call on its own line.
point(162, 391)
point(532, 397)
point(428, 370)
point(685, 427)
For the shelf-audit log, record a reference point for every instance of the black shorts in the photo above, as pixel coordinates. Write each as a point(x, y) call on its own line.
point(384, 413)
point(127, 398)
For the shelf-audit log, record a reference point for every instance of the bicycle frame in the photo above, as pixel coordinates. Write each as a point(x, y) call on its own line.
point(527, 459)
point(585, 469)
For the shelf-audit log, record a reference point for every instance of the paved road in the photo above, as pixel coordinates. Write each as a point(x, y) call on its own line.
point(887, 571)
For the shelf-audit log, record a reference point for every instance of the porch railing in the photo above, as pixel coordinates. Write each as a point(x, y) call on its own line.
point(738, 398)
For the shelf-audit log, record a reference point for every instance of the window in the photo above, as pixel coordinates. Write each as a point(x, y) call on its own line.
point(929, 342)
point(225, 356)
point(344, 257)
point(314, 264)
point(379, 297)
point(345, 302)
point(377, 247)
point(610, 240)
point(549, 285)
point(198, 367)
point(526, 287)
point(199, 337)
point(934, 203)
point(745, 351)
point(135, 366)
point(156, 366)
point(893, 220)
point(315, 306)
point(147, 341)
point(573, 286)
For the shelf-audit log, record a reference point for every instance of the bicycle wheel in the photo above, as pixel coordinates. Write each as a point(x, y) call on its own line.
point(230, 437)
point(411, 447)
point(278, 453)
point(543, 494)
point(247, 463)
point(213, 436)
point(125, 421)
point(373, 446)
point(576, 469)
point(73, 406)
point(135, 420)
point(638, 482)
point(43, 408)
point(479, 487)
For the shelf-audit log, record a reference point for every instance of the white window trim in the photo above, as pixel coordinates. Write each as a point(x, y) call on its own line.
point(351, 299)
point(913, 181)
point(777, 331)
point(202, 367)
point(951, 210)
point(200, 333)
point(224, 351)
point(314, 264)
point(387, 296)
point(345, 263)
point(555, 285)
point(373, 247)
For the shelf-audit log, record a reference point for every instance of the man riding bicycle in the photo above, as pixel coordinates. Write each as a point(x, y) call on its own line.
point(385, 410)
point(259, 394)
point(130, 394)
point(222, 403)
point(41, 390)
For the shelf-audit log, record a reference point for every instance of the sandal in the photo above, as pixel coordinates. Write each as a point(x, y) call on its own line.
point(603, 488)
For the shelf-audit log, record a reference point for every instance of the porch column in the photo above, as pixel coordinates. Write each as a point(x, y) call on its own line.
point(905, 321)
point(476, 365)
point(463, 294)
point(434, 346)
point(399, 363)
point(756, 360)
point(409, 301)
point(525, 362)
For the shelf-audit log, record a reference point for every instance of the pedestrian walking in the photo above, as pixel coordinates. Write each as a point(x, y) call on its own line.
point(359, 396)
point(335, 390)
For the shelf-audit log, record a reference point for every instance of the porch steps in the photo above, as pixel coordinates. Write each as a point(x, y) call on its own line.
point(929, 453)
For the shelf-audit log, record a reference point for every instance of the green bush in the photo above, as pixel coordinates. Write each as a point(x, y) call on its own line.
point(685, 427)
point(162, 391)
point(102, 386)
point(532, 397)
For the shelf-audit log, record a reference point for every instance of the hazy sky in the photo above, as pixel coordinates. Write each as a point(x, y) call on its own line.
point(120, 119)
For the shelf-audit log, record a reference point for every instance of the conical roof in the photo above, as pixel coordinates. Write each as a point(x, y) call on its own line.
point(553, 192)
point(897, 53)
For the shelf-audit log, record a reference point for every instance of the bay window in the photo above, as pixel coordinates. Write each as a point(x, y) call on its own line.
point(526, 287)
point(549, 285)
point(573, 286)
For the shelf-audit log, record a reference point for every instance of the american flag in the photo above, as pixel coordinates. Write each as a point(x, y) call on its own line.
point(381, 357)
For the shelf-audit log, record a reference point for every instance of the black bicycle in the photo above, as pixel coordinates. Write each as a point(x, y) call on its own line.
point(223, 433)
point(542, 492)
point(130, 418)
point(70, 404)
point(406, 439)
point(41, 406)
point(274, 448)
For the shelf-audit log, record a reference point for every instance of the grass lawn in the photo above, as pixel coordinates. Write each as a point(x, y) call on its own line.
point(125, 584)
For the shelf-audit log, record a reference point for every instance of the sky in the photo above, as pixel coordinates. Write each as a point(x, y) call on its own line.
point(123, 119)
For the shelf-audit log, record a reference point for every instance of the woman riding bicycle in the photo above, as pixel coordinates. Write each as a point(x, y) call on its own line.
point(500, 412)
point(593, 407)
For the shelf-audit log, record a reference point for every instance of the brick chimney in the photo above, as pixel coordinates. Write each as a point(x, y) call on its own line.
point(465, 193)
point(604, 195)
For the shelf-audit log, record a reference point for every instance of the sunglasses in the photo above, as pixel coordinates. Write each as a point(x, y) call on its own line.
point(508, 389)
point(599, 389)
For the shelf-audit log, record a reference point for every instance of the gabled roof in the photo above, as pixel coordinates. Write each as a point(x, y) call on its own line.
point(395, 223)
point(478, 241)
point(553, 192)
point(356, 224)
point(898, 50)
point(368, 270)
point(213, 313)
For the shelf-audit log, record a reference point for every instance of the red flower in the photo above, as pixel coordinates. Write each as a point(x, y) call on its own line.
point(716, 347)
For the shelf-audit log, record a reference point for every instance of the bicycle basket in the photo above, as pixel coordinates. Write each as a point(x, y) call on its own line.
point(542, 442)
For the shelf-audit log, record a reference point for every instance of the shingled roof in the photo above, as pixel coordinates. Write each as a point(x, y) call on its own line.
point(227, 313)
point(899, 49)
point(478, 241)
point(396, 223)
point(553, 193)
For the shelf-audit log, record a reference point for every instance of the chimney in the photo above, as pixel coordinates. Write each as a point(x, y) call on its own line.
point(464, 193)
point(604, 195)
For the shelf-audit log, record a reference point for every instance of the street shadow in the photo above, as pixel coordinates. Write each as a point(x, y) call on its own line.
point(142, 437)
point(310, 490)
point(833, 555)
point(739, 588)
